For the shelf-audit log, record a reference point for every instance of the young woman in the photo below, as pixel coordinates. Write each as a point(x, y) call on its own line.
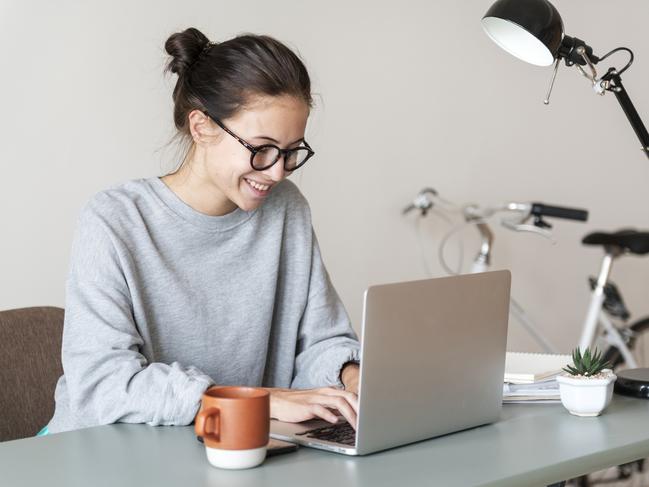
point(211, 274)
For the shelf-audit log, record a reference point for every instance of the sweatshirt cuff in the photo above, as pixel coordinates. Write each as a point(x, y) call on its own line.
point(185, 391)
point(353, 356)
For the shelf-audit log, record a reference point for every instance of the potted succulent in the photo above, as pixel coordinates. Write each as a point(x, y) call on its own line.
point(587, 386)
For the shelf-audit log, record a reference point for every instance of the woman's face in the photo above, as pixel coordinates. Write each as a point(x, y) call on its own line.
point(279, 120)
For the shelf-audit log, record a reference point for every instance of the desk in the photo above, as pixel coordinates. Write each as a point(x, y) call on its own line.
point(530, 445)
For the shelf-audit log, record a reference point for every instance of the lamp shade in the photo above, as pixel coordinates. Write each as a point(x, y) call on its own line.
point(531, 30)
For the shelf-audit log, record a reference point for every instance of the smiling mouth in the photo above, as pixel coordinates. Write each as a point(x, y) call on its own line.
point(262, 188)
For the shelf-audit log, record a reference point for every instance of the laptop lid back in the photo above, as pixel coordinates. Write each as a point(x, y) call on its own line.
point(432, 358)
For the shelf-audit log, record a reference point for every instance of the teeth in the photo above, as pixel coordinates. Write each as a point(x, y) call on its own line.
point(260, 187)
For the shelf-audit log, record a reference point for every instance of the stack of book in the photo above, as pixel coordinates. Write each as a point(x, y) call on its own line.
point(531, 377)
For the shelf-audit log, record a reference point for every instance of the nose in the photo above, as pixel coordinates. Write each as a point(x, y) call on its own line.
point(276, 172)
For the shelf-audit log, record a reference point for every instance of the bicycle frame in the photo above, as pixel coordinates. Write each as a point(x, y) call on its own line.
point(594, 317)
point(596, 326)
point(595, 320)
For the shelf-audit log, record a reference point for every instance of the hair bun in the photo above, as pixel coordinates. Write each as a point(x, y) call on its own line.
point(185, 48)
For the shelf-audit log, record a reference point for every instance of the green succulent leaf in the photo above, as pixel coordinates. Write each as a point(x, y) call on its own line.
point(571, 370)
point(587, 359)
point(587, 364)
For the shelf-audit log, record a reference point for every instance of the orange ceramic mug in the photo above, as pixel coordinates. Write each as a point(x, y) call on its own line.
point(234, 422)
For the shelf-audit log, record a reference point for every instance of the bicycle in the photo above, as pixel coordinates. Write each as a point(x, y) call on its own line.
point(606, 324)
point(616, 336)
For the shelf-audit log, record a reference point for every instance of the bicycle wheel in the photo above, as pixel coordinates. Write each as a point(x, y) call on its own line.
point(613, 354)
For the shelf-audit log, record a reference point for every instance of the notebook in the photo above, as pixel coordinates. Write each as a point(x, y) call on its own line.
point(545, 391)
point(527, 368)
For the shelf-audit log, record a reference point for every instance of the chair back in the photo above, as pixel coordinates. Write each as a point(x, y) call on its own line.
point(30, 365)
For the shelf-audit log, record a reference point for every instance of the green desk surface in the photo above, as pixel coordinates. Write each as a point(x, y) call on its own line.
point(530, 445)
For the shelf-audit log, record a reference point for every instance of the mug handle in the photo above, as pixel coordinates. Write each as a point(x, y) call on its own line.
point(201, 423)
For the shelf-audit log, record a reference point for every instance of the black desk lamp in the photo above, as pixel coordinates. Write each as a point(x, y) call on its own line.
point(532, 30)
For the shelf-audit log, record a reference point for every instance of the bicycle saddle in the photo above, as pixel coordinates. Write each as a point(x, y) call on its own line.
point(630, 240)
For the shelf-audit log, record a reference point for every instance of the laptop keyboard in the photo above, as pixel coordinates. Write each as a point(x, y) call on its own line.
point(337, 433)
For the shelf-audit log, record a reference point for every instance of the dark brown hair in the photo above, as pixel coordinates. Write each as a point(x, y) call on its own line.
point(223, 77)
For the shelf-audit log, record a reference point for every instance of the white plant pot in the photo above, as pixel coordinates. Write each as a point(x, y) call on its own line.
point(585, 396)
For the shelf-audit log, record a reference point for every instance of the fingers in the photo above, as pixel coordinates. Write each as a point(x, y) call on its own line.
point(324, 413)
point(341, 404)
point(350, 397)
point(296, 406)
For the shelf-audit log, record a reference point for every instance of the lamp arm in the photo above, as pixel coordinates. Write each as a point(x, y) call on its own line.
point(614, 84)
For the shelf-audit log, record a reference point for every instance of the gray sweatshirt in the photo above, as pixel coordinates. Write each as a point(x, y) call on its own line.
point(162, 301)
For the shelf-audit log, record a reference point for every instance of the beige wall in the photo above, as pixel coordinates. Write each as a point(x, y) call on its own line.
point(410, 94)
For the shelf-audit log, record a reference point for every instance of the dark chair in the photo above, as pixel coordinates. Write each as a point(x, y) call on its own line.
point(30, 365)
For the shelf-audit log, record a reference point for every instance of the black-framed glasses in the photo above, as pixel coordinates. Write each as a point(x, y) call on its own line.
point(264, 156)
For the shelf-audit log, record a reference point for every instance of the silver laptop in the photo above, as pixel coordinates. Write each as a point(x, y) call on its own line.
point(432, 363)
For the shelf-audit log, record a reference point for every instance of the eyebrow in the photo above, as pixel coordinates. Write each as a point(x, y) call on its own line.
point(301, 139)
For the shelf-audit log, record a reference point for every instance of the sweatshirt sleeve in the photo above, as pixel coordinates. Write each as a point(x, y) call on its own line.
point(107, 377)
point(326, 339)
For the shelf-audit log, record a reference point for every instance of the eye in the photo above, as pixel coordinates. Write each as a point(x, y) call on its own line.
point(265, 156)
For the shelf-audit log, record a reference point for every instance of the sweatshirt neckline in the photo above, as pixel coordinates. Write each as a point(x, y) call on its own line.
point(201, 220)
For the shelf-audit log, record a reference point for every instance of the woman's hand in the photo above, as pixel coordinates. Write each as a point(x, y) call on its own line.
point(293, 405)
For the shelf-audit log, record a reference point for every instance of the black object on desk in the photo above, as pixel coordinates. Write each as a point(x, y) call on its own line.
point(633, 382)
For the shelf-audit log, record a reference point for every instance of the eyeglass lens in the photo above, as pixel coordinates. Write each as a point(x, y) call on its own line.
point(266, 156)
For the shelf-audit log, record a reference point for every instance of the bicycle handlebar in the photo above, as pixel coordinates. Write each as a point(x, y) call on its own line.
point(428, 198)
point(519, 216)
point(541, 209)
